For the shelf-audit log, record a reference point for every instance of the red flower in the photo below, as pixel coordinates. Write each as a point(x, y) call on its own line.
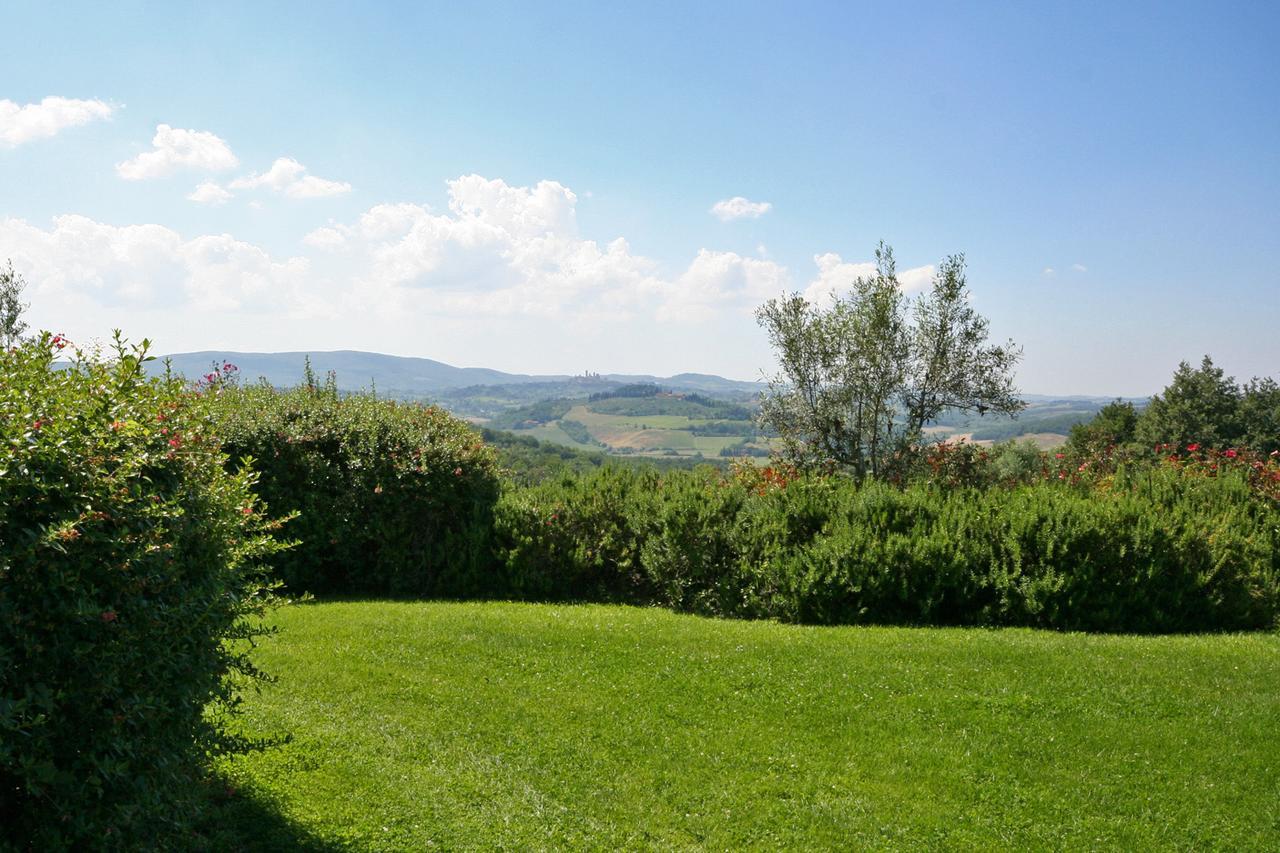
point(109, 615)
point(1193, 447)
point(1059, 456)
point(173, 442)
point(37, 424)
point(1230, 454)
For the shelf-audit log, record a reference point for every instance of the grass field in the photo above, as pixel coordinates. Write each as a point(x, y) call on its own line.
point(534, 726)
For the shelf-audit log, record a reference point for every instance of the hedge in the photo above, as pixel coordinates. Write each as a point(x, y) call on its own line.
point(391, 498)
point(129, 559)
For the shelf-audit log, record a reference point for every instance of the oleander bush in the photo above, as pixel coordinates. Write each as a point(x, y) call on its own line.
point(129, 566)
point(391, 498)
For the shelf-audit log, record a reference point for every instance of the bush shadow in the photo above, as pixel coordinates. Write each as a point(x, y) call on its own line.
point(244, 821)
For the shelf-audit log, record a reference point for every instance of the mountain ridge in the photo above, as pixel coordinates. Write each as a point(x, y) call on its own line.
point(416, 376)
point(413, 376)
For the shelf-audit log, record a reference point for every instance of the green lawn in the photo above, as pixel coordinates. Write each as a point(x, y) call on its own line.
point(534, 726)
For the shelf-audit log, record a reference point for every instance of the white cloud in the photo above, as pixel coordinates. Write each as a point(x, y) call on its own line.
point(1049, 271)
point(283, 172)
point(82, 262)
point(313, 187)
point(1079, 268)
point(836, 276)
point(326, 238)
point(718, 281)
point(209, 193)
point(29, 122)
point(288, 176)
point(739, 208)
point(495, 256)
point(173, 149)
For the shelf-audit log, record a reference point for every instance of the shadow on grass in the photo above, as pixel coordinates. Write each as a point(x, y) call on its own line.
point(246, 821)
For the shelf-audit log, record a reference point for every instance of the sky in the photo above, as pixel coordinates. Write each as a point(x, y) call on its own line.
point(614, 187)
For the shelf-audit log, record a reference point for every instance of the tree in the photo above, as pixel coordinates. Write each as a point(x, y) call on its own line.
point(1200, 406)
point(861, 379)
point(1112, 426)
point(11, 306)
point(1260, 415)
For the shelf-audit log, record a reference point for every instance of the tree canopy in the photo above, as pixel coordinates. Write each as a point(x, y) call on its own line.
point(862, 378)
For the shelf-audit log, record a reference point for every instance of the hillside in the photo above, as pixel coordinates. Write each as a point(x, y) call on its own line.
point(415, 378)
point(688, 415)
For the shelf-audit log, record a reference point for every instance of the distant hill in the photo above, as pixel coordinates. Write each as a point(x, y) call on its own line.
point(423, 377)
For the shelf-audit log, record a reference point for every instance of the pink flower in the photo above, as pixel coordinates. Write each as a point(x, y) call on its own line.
point(1059, 456)
point(1230, 454)
point(457, 472)
point(109, 615)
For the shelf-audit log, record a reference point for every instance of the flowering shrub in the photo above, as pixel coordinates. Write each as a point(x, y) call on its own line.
point(392, 498)
point(129, 557)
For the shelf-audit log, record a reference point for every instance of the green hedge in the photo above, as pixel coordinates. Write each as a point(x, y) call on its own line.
point(1159, 551)
point(392, 498)
point(128, 560)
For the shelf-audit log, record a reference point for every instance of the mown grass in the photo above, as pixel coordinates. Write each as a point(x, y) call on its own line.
point(533, 726)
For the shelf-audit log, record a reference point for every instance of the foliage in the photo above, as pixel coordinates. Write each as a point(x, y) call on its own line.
point(577, 431)
point(1115, 425)
point(393, 498)
point(1260, 415)
point(129, 559)
point(998, 430)
point(1001, 537)
point(12, 325)
point(686, 405)
point(541, 412)
point(525, 461)
point(1200, 406)
point(547, 727)
point(860, 380)
point(573, 538)
point(636, 389)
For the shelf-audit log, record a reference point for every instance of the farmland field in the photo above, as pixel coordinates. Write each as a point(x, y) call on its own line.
point(532, 726)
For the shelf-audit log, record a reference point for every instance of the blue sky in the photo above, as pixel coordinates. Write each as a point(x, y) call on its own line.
point(531, 186)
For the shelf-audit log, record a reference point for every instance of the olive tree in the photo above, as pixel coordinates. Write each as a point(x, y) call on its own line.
point(11, 306)
point(862, 378)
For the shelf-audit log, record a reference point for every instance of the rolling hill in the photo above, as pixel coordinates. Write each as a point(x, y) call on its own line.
point(416, 378)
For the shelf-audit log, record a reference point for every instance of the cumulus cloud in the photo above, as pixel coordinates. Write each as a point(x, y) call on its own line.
point(150, 266)
point(836, 276)
point(29, 122)
point(288, 176)
point(499, 249)
point(326, 238)
point(738, 207)
point(494, 256)
point(173, 149)
point(1079, 268)
point(209, 193)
